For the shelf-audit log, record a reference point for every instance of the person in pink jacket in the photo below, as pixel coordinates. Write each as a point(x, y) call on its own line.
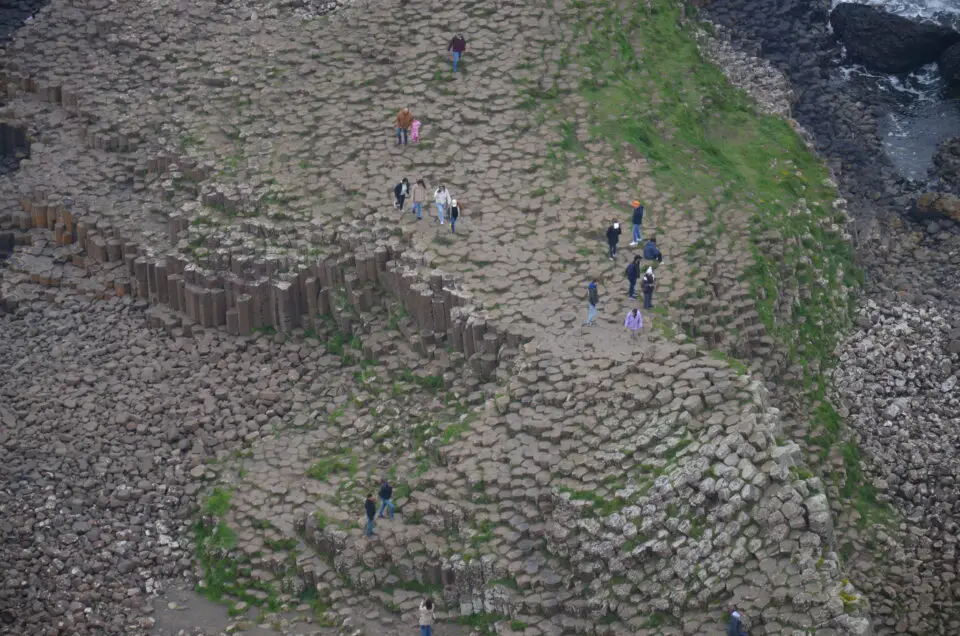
point(634, 323)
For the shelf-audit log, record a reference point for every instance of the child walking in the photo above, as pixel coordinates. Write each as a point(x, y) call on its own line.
point(634, 323)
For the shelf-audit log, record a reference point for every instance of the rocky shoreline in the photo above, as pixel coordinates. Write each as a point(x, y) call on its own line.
point(895, 381)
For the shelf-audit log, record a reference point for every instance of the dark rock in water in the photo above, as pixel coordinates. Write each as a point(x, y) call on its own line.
point(949, 64)
point(886, 42)
point(946, 163)
point(934, 205)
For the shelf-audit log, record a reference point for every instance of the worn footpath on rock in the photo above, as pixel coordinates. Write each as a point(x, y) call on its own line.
point(231, 168)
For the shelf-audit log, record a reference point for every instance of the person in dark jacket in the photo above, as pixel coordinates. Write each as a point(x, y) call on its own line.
point(651, 252)
point(454, 215)
point(593, 297)
point(386, 494)
point(649, 282)
point(637, 220)
point(613, 237)
point(371, 507)
point(735, 626)
point(400, 191)
point(633, 273)
point(457, 47)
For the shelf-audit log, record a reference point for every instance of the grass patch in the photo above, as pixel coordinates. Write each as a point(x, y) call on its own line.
point(321, 470)
point(600, 506)
point(217, 503)
point(736, 365)
point(431, 383)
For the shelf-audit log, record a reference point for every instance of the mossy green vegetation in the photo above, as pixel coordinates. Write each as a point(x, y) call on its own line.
point(653, 96)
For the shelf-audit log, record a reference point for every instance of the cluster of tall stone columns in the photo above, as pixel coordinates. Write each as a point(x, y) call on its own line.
point(252, 293)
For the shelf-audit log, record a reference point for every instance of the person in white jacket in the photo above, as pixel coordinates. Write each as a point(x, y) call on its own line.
point(426, 617)
point(442, 199)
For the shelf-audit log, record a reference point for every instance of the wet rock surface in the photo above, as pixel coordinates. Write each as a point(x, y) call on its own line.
point(886, 42)
point(947, 164)
point(840, 115)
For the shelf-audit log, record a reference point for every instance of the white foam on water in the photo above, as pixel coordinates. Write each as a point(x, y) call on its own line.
point(922, 85)
point(912, 8)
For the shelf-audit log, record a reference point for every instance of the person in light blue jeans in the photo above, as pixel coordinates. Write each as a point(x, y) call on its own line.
point(386, 494)
point(419, 194)
point(442, 198)
point(637, 220)
point(457, 47)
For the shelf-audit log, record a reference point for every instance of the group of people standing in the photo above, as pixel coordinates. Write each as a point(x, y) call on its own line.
point(418, 195)
point(648, 280)
point(407, 128)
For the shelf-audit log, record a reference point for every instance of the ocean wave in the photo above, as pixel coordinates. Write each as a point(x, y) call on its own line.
point(922, 85)
point(913, 8)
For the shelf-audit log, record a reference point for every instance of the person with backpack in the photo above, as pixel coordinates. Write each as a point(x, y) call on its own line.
point(613, 237)
point(633, 274)
point(649, 282)
point(400, 191)
point(637, 220)
point(593, 298)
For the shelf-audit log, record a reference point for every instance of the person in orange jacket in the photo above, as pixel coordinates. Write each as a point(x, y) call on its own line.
point(403, 122)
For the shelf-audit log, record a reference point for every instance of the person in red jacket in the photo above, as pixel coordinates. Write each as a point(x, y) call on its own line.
point(457, 46)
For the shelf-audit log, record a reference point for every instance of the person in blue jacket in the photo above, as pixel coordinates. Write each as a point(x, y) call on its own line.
point(651, 252)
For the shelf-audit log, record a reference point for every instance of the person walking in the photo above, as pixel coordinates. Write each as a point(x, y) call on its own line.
point(651, 252)
point(735, 625)
point(634, 323)
point(454, 215)
point(613, 237)
point(637, 220)
point(593, 298)
point(633, 274)
point(426, 617)
point(400, 191)
point(457, 47)
point(442, 198)
point(386, 494)
point(418, 194)
point(371, 507)
point(649, 282)
point(403, 122)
